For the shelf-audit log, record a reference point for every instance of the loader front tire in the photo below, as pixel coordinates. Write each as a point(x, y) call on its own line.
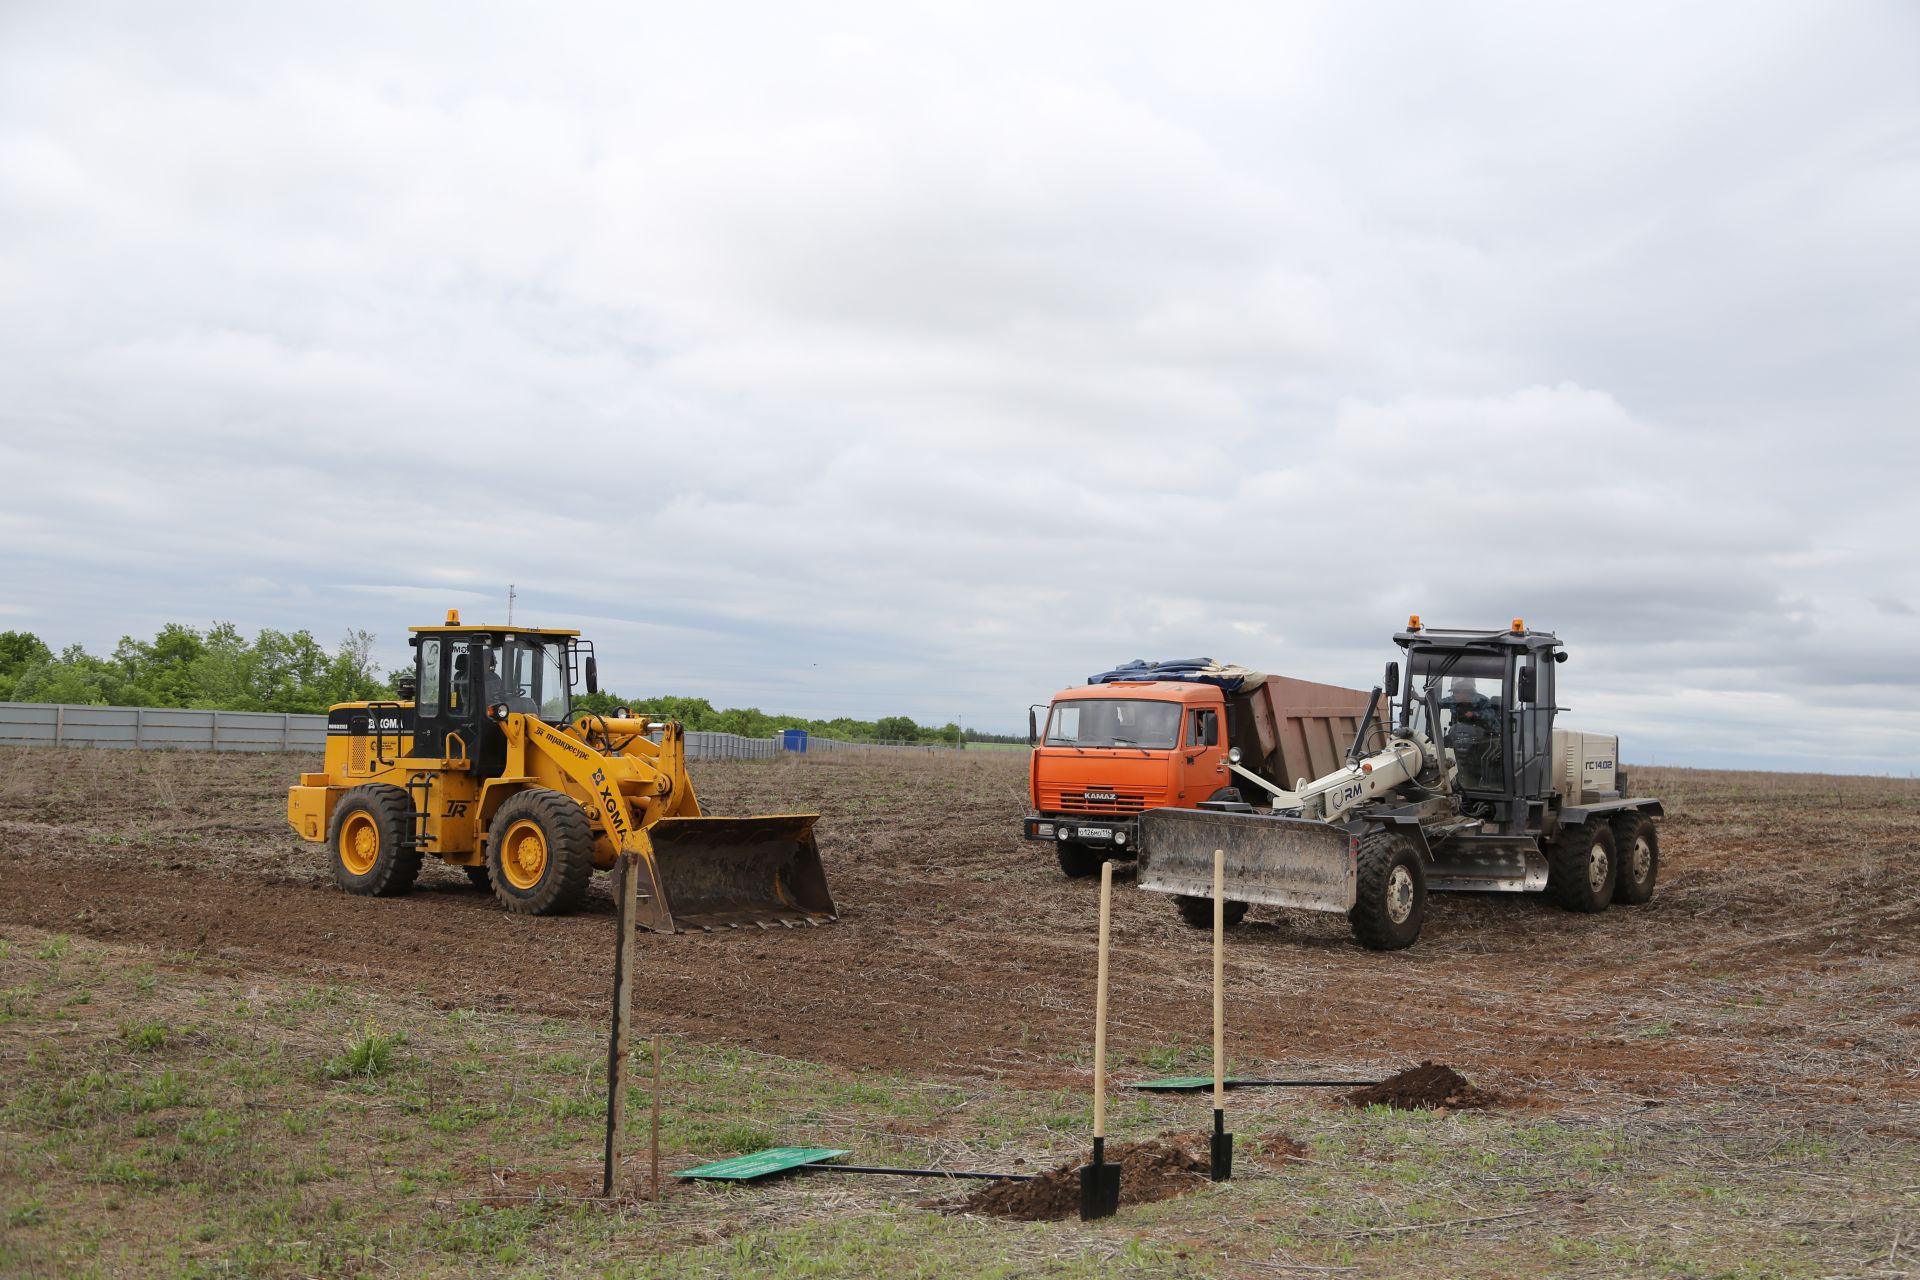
point(1390, 899)
point(368, 837)
point(1582, 867)
point(1637, 841)
point(1198, 912)
point(540, 853)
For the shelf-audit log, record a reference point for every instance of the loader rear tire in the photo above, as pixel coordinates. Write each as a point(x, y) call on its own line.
point(1390, 898)
point(1637, 841)
point(1077, 862)
point(1198, 912)
point(1582, 867)
point(368, 837)
point(540, 853)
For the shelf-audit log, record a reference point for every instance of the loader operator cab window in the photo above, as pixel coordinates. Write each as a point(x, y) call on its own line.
point(534, 678)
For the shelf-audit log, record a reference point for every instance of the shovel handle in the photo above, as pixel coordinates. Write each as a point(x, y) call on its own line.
point(1100, 1006)
point(1219, 971)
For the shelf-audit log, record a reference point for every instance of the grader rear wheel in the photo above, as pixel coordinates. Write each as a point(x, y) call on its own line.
point(540, 853)
point(368, 838)
point(1582, 867)
point(1637, 842)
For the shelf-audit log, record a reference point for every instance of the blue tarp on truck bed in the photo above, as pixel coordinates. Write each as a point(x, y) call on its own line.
point(1204, 670)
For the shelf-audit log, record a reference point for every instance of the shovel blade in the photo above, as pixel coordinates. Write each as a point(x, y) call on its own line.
point(1284, 862)
point(1099, 1191)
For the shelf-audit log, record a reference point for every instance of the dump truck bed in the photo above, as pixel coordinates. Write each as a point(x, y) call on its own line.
point(1290, 729)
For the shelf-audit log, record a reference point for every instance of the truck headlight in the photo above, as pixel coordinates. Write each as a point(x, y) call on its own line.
point(1119, 837)
point(1044, 829)
point(1233, 755)
point(1062, 833)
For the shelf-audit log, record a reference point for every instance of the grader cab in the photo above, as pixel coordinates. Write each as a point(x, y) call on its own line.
point(484, 764)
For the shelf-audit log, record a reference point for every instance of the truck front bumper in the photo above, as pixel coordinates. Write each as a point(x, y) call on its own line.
point(1096, 830)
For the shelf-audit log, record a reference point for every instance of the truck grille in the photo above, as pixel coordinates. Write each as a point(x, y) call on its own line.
point(1102, 802)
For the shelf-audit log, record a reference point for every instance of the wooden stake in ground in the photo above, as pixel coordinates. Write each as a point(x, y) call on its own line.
point(1100, 1181)
point(625, 880)
point(1222, 1163)
point(654, 1124)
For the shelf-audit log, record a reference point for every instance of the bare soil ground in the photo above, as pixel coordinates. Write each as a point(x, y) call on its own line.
point(1776, 963)
point(1723, 1082)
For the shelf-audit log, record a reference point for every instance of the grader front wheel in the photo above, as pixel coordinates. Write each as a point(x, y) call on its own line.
point(368, 838)
point(540, 853)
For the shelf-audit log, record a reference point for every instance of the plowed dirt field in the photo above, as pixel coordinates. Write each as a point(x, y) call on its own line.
point(1776, 964)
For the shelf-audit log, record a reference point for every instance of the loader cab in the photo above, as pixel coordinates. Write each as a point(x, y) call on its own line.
point(462, 672)
point(1489, 697)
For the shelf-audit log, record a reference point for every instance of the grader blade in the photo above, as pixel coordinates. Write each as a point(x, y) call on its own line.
point(728, 872)
point(1285, 862)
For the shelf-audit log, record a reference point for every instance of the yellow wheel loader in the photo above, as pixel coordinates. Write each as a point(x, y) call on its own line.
point(485, 765)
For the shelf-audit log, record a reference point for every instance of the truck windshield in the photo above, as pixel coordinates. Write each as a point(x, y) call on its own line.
point(1113, 722)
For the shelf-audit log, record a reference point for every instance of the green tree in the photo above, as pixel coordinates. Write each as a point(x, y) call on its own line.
point(74, 677)
point(896, 729)
point(18, 651)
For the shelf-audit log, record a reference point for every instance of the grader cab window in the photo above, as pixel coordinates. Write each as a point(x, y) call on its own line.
point(1466, 690)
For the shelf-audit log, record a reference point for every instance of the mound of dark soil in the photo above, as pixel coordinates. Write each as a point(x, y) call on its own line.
point(1152, 1170)
point(1431, 1086)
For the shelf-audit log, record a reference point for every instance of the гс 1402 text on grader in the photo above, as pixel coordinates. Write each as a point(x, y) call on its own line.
point(486, 766)
point(1475, 789)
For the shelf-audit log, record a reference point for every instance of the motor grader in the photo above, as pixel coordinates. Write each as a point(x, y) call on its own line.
point(1475, 789)
point(484, 763)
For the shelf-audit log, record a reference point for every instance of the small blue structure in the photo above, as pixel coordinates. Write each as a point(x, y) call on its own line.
point(793, 740)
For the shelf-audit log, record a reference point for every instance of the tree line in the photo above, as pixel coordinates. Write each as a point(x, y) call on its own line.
point(220, 669)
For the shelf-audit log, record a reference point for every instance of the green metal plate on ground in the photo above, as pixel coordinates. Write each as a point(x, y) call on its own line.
point(1173, 1083)
point(761, 1163)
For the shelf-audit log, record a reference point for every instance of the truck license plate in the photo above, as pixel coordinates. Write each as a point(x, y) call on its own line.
point(1096, 833)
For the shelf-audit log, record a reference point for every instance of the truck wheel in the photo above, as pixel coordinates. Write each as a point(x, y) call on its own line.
point(1637, 842)
point(540, 853)
point(368, 837)
point(1582, 868)
point(1390, 902)
point(1198, 912)
point(1076, 860)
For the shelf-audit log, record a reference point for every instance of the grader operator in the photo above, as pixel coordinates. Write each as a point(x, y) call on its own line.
point(1475, 789)
point(485, 765)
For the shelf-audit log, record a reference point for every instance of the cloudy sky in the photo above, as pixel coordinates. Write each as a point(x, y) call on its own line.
point(924, 359)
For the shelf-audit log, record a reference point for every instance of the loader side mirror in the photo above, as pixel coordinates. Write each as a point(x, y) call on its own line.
point(1392, 683)
point(1033, 728)
point(593, 675)
point(1527, 684)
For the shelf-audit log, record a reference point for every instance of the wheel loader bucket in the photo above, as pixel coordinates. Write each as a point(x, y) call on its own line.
point(1286, 862)
point(728, 872)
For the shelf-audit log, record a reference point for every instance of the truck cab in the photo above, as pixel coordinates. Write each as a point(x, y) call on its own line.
point(1110, 752)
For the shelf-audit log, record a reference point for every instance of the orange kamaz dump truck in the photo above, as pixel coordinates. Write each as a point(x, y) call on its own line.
point(1157, 735)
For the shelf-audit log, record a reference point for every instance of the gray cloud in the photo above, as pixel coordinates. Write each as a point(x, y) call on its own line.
point(923, 363)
